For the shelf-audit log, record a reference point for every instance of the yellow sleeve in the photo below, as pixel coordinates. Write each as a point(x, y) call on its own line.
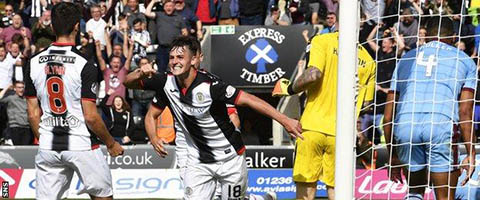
point(371, 81)
point(317, 53)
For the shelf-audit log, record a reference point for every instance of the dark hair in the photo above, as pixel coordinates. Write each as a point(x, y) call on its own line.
point(3, 46)
point(332, 13)
point(121, 16)
point(137, 20)
point(125, 105)
point(65, 16)
point(18, 82)
point(186, 41)
point(143, 58)
point(440, 26)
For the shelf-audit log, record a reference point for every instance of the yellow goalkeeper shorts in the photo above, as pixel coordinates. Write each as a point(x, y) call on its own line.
point(315, 158)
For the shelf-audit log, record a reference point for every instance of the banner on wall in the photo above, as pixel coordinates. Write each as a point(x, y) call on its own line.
point(256, 56)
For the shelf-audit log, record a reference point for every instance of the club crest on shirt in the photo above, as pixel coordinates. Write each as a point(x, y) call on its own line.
point(199, 96)
point(94, 87)
point(154, 100)
point(230, 91)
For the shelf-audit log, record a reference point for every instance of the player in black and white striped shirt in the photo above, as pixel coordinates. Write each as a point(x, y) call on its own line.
point(197, 101)
point(66, 121)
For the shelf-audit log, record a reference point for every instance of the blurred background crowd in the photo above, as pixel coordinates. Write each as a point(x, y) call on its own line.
point(117, 34)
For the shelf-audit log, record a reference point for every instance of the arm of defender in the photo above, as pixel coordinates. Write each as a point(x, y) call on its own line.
point(33, 110)
point(309, 77)
point(95, 123)
point(465, 116)
point(291, 125)
point(151, 127)
point(395, 171)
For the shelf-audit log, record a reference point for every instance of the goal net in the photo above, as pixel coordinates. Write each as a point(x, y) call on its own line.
point(435, 112)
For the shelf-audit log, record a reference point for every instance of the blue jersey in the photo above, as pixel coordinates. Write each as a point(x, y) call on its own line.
point(430, 78)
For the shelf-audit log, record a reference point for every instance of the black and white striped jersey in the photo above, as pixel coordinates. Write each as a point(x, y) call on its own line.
point(60, 77)
point(201, 114)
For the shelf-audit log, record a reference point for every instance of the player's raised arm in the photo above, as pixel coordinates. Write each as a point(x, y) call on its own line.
point(465, 116)
point(292, 126)
point(133, 79)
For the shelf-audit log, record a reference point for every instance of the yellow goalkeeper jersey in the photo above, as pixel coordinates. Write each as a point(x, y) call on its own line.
point(320, 110)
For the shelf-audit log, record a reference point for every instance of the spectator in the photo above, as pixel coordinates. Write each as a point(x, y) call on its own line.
point(16, 27)
point(142, 98)
point(332, 5)
point(132, 13)
point(141, 39)
point(116, 32)
point(6, 69)
point(373, 10)
point(171, 26)
point(252, 11)
point(20, 132)
point(190, 19)
point(87, 46)
point(422, 33)
point(17, 5)
point(206, 10)
point(49, 4)
point(330, 26)
point(120, 120)
point(115, 73)
point(408, 27)
point(297, 11)
point(7, 18)
point(42, 31)
point(228, 12)
point(314, 6)
point(97, 25)
point(117, 49)
point(386, 63)
point(275, 19)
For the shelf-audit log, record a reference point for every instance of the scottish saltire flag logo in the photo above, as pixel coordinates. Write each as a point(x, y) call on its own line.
point(261, 53)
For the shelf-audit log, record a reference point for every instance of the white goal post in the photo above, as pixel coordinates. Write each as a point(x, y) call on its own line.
point(346, 122)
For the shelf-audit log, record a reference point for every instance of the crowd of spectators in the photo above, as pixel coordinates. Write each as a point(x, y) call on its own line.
point(119, 34)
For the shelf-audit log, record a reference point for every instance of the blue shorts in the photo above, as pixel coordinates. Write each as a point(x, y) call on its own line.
point(425, 140)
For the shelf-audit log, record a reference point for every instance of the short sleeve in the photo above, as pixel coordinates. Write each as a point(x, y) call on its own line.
point(221, 91)
point(155, 82)
point(89, 82)
point(317, 53)
point(30, 91)
point(160, 100)
point(471, 78)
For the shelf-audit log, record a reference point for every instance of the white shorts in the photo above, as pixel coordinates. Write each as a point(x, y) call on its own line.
point(200, 180)
point(54, 171)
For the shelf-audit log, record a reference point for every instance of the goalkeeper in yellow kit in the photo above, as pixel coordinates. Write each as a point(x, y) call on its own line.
point(315, 155)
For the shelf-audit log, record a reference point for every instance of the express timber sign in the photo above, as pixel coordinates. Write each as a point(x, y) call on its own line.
point(257, 56)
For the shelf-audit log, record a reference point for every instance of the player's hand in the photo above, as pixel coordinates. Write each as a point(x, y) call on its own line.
point(157, 144)
point(395, 171)
point(280, 88)
point(147, 70)
point(293, 127)
point(115, 150)
point(126, 140)
point(468, 164)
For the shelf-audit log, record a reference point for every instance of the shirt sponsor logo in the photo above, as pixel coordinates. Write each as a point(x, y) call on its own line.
point(230, 91)
point(71, 121)
point(260, 54)
point(57, 58)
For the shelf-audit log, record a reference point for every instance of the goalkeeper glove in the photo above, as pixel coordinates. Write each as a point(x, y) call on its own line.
point(283, 87)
